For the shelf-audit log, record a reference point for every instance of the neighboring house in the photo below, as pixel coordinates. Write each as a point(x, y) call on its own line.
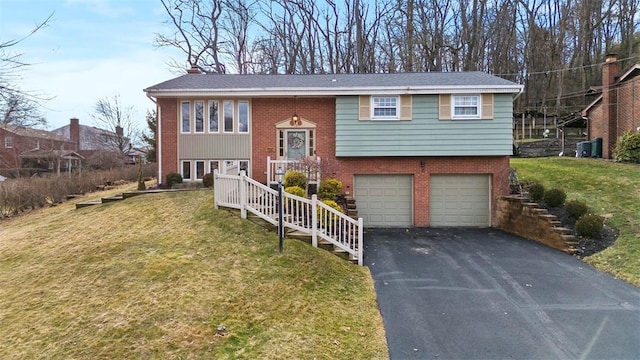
point(617, 108)
point(34, 148)
point(90, 139)
point(137, 155)
point(413, 149)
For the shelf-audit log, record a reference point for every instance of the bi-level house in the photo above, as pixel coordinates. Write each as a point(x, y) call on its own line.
point(413, 149)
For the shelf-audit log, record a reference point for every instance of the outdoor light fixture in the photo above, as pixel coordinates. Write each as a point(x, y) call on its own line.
point(295, 120)
point(279, 177)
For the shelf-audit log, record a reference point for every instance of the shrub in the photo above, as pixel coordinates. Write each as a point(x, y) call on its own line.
point(576, 208)
point(296, 190)
point(536, 191)
point(628, 148)
point(330, 218)
point(207, 180)
point(554, 197)
point(590, 226)
point(330, 189)
point(173, 178)
point(295, 178)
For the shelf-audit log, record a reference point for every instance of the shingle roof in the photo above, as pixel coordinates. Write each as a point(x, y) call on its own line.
point(33, 133)
point(333, 83)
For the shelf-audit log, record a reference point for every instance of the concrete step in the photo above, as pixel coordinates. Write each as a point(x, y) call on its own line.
point(532, 205)
point(568, 238)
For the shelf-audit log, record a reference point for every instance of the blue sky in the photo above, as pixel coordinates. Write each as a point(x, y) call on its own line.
point(90, 49)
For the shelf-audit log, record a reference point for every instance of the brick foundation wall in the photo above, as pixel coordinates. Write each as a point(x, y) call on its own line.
point(168, 151)
point(496, 166)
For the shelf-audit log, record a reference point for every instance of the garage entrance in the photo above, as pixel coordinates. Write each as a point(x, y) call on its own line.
point(460, 200)
point(384, 200)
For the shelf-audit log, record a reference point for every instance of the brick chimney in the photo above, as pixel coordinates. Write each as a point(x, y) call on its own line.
point(610, 76)
point(74, 132)
point(194, 70)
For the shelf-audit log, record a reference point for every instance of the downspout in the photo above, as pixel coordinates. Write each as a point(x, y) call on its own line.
point(158, 138)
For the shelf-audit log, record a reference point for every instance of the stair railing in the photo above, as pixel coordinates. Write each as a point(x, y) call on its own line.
point(309, 216)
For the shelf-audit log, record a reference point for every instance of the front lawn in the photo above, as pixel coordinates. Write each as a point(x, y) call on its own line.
point(159, 275)
point(610, 189)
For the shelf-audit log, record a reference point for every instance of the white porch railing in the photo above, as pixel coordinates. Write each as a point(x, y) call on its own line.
point(272, 165)
point(308, 216)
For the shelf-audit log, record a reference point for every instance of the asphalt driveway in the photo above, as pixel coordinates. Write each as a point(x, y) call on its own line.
point(486, 294)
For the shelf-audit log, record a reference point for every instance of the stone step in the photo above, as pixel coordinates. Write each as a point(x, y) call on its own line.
point(87, 204)
point(539, 211)
point(112, 198)
point(562, 230)
point(555, 223)
point(568, 238)
point(532, 205)
point(548, 217)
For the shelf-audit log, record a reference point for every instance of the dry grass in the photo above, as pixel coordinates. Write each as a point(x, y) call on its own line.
point(609, 189)
point(155, 275)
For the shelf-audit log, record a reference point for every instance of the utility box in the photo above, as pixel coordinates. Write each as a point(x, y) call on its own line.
point(596, 148)
point(584, 149)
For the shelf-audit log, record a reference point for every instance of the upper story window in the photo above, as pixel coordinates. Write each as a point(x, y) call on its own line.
point(243, 116)
point(185, 116)
point(384, 108)
point(227, 110)
point(213, 116)
point(8, 142)
point(199, 113)
point(466, 106)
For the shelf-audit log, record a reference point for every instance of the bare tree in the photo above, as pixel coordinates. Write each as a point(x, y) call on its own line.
point(17, 106)
point(118, 122)
point(150, 138)
point(196, 32)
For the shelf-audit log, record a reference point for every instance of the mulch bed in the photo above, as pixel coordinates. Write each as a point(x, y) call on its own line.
point(586, 246)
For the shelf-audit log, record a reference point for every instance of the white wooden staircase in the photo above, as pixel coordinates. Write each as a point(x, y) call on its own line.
point(301, 217)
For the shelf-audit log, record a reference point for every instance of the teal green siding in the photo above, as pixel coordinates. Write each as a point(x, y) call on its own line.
point(424, 135)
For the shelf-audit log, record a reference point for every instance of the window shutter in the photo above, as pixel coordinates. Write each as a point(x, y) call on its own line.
point(445, 107)
point(405, 107)
point(487, 106)
point(364, 107)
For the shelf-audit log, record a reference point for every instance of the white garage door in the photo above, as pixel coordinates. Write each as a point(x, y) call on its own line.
point(384, 200)
point(460, 200)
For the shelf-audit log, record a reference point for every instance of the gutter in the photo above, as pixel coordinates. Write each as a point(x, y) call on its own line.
point(158, 137)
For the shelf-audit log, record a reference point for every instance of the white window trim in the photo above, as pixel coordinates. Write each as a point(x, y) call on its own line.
point(211, 168)
point(477, 116)
point(190, 178)
point(195, 115)
point(373, 108)
point(182, 131)
point(248, 116)
point(8, 142)
point(209, 116)
point(233, 114)
point(195, 169)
